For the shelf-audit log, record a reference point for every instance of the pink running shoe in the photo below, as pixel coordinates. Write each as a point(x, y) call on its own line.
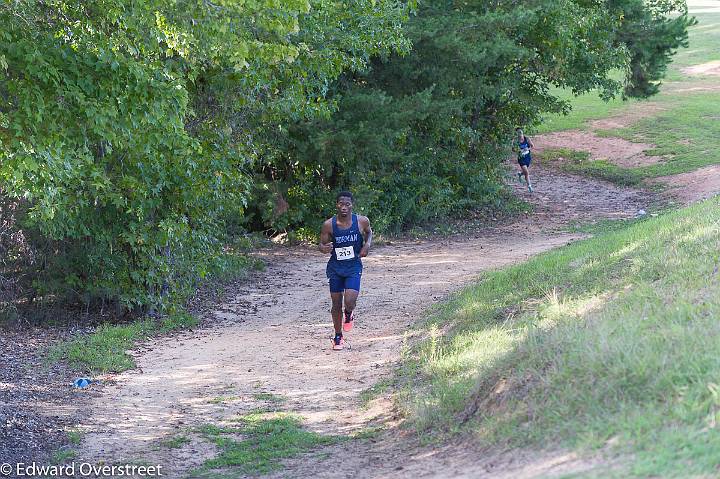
point(348, 323)
point(338, 343)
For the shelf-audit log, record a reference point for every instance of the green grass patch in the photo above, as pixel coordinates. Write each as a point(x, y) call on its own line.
point(211, 430)
point(602, 226)
point(75, 437)
point(704, 40)
point(260, 443)
point(375, 391)
point(179, 320)
point(175, 442)
point(269, 397)
point(686, 134)
point(104, 349)
point(585, 108)
point(615, 337)
point(62, 455)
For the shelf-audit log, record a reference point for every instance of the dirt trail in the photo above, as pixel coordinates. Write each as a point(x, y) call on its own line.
point(617, 150)
point(693, 186)
point(273, 337)
point(709, 68)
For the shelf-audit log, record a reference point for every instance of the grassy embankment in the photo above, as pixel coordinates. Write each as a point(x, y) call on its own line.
point(612, 340)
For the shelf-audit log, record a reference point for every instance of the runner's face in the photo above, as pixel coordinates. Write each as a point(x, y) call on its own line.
point(344, 206)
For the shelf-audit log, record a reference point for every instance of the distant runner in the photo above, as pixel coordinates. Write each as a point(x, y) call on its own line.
point(523, 145)
point(348, 237)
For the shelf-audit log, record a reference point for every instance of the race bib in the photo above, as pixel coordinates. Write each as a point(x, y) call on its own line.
point(525, 151)
point(343, 253)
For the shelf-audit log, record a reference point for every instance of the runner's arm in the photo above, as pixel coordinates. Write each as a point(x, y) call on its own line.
point(366, 231)
point(325, 245)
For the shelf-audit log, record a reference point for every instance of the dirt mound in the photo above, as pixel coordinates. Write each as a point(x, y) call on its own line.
point(616, 150)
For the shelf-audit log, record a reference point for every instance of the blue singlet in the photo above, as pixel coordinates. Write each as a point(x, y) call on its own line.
point(524, 156)
point(345, 267)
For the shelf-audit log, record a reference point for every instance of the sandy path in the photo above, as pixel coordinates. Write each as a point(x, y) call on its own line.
point(283, 348)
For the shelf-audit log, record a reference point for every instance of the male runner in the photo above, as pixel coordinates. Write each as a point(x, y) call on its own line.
point(348, 237)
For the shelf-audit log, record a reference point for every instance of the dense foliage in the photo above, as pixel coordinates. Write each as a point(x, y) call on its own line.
point(135, 135)
point(128, 128)
point(423, 135)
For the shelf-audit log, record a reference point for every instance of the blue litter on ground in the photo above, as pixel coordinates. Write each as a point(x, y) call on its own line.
point(82, 383)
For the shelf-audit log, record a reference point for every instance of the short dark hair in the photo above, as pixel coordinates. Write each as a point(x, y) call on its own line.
point(344, 194)
point(518, 128)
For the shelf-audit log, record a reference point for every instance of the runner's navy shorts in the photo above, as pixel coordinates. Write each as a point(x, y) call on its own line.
point(340, 282)
point(525, 160)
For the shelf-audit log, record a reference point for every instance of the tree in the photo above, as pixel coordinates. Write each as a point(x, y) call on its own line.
point(652, 32)
point(421, 136)
point(128, 128)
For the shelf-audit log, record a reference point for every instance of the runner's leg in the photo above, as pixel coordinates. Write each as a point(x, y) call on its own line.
point(336, 311)
point(526, 173)
point(351, 296)
point(352, 289)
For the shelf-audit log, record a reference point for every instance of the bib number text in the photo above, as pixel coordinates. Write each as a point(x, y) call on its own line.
point(344, 253)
